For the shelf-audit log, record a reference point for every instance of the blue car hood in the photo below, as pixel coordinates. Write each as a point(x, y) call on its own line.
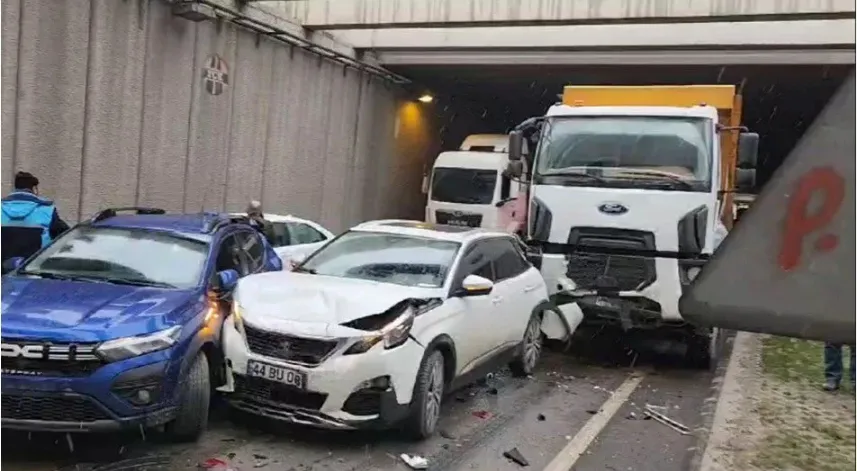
point(73, 311)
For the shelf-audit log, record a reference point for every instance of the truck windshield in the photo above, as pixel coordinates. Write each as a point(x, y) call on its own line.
point(463, 185)
point(628, 151)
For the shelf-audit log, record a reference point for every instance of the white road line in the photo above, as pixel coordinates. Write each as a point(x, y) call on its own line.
point(577, 445)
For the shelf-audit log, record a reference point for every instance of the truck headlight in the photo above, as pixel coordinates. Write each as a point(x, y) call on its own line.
point(392, 335)
point(129, 347)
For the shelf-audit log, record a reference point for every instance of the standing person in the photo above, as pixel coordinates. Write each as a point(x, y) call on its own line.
point(257, 220)
point(833, 366)
point(29, 221)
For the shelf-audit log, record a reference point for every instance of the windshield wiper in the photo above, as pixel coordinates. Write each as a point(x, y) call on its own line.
point(134, 282)
point(663, 175)
point(301, 269)
point(569, 173)
point(58, 276)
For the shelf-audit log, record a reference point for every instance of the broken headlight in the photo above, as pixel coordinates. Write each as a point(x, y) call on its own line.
point(393, 333)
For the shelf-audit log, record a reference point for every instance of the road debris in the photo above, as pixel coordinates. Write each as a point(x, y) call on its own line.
point(216, 464)
point(482, 414)
point(414, 461)
point(652, 412)
point(516, 456)
point(541, 417)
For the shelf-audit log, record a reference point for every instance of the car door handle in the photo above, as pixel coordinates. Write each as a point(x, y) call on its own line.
point(497, 300)
point(527, 289)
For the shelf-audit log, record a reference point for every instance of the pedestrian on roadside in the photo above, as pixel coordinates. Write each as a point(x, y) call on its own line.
point(258, 221)
point(29, 221)
point(833, 366)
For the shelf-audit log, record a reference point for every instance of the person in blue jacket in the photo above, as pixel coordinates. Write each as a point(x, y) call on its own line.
point(29, 221)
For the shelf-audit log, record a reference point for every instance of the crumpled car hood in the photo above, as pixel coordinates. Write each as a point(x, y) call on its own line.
point(69, 311)
point(286, 298)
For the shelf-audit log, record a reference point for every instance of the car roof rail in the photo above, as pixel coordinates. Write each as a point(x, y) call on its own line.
point(111, 212)
point(222, 221)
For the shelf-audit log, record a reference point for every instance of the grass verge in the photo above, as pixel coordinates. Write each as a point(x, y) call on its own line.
point(807, 429)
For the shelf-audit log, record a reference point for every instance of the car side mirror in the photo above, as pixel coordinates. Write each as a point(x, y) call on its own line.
point(748, 150)
point(225, 281)
point(474, 285)
point(514, 169)
point(516, 145)
point(12, 264)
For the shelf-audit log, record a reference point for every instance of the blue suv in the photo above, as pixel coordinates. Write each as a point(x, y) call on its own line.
point(117, 322)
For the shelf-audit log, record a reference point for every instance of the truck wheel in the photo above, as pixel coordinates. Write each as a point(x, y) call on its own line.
point(194, 397)
point(703, 349)
point(531, 348)
point(428, 396)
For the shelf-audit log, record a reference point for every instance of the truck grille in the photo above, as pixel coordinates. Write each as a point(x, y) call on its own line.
point(456, 218)
point(289, 348)
point(51, 408)
point(592, 266)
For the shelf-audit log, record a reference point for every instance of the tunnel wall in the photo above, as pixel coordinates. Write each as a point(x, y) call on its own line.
point(104, 100)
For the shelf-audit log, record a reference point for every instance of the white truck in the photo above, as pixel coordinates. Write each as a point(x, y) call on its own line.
point(468, 187)
point(630, 193)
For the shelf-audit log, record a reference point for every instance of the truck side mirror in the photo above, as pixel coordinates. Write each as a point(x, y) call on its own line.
point(745, 180)
point(514, 170)
point(516, 146)
point(748, 150)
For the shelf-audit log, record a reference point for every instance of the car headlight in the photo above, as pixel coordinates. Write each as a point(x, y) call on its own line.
point(392, 335)
point(238, 317)
point(129, 347)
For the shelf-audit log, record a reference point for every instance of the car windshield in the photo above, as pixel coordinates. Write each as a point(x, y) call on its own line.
point(463, 185)
point(122, 256)
point(633, 150)
point(389, 258)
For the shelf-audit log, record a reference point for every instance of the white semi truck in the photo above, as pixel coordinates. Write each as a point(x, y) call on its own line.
point(468, 187)
point(630, 194)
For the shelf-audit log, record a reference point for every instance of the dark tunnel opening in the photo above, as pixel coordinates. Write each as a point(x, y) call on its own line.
point(780, 102)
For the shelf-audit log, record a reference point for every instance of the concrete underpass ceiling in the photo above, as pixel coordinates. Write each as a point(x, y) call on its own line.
point(779, 101)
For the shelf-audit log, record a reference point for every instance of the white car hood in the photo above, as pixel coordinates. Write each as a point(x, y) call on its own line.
point(316, 304)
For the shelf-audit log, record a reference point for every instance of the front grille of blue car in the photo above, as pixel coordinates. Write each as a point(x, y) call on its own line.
point(51, 408)
point(57, 360)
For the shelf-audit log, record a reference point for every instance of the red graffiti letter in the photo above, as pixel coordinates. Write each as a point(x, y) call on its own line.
point(799, 223)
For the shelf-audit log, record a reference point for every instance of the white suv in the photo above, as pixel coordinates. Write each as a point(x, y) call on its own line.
point(375, 327)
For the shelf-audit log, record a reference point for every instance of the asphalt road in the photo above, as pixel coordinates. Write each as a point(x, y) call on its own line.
point(541, 416)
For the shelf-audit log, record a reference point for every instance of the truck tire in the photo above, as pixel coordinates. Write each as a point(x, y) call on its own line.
point(194, 398)
point(531, 348)
point(428, 396)
point(703, 349)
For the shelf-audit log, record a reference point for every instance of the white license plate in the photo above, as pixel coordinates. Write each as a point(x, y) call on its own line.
point(276, 373)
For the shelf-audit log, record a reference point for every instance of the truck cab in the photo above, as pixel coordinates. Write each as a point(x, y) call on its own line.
point(468, 186)
point(630, 194)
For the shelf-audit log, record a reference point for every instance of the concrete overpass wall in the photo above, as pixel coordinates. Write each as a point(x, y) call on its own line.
point(329, 14)
point(104, 100)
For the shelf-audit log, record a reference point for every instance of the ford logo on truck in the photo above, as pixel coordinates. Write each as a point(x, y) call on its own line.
point(613, 208)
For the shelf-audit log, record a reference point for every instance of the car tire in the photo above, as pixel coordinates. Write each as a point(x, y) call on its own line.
point(428, 397)
point(531, 348)
point(194, 399)
point(703, 349)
